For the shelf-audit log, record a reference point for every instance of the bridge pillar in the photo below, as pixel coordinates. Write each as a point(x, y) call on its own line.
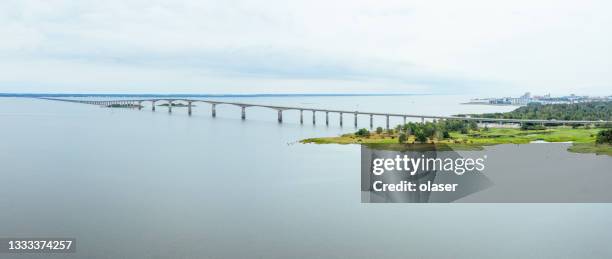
point(301, 116)
point(169, 106)
point(404, 120)
point(371, 121)
point(340, 119)
point(189, 108)
point(152, 105)
point(314, 119)
point(214, 110)
point(139, 105)
point(422, 120)
point(355, 120)
point(280, 116)
point(387, 121)
point(243, 112)
point(327, 118)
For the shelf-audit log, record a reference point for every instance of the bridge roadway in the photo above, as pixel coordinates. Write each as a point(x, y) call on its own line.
point(171, 102)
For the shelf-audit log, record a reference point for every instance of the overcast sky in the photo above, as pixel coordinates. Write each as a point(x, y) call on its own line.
point(224, 46)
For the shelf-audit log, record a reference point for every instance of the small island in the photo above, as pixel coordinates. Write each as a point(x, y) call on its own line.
point(462, 134)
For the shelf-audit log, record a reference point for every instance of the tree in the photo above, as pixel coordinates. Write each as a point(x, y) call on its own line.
point(429, 129)
point(363, 133)
point(420, 136)
point(473, 125)
point(379, 130)
point(604, 137)
point(390, 131)
point(574, 111)
point(402, 138)
point(445, 134)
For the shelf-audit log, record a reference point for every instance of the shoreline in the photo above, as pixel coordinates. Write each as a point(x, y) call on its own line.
point(582, 140)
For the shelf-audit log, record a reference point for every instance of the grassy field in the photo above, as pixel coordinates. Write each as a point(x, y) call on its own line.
point(583, 139)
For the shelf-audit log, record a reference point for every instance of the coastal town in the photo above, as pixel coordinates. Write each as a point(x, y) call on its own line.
point(528, 98)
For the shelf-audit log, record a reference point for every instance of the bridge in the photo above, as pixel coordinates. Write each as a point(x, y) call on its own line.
point(189, 103)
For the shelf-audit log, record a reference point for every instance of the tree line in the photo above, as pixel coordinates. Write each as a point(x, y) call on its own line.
point(424, 131)
point(576, 111)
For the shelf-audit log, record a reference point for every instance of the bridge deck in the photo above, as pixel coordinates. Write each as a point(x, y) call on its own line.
point(281, 108)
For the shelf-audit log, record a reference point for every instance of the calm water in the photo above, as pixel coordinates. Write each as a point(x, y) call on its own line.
point(142, 184)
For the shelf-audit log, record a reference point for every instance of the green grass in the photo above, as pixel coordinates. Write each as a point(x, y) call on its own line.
point(583, 139)
point(517, 136)
point(600, 149)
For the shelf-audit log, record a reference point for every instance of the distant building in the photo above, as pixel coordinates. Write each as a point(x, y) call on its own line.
point(527, 98)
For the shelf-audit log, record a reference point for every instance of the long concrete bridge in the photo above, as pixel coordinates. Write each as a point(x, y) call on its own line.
point(189, 103)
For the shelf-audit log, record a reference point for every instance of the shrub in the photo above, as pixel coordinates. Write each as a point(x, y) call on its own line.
point(604, 137)
point(363, 133)
point(531, 126)
point(473, 125)
point(379, 130)
point(402, 138)
point(420, 136)
point(445, 134)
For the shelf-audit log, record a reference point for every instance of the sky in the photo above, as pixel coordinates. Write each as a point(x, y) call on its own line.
point(317, 46)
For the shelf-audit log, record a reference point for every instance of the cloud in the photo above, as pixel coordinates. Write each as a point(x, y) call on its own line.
point(305, 46)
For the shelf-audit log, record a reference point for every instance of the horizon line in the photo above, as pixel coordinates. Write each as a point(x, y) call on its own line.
point(200, 95)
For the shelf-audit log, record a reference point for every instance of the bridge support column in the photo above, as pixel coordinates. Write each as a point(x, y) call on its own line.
point(280, 116)
point(355, 120)
point(422, 120)
point(169, 106)
point(214, 110)
point(301, 116)
point(189, 108)
point(314, 119)
point(139, 105)
point(327, 118)
point(152, 105)
point(371, 121)
point(243, 112)
point(340, 119)
point(404, 120)
point(387, 121)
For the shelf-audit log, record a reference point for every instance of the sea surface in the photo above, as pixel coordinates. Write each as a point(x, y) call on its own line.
point(130, 183)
